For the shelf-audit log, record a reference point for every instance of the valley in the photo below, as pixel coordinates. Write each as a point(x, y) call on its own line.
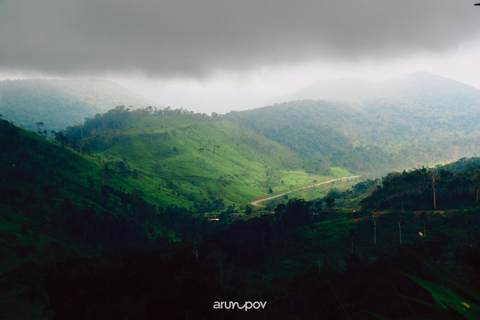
point(306, 204)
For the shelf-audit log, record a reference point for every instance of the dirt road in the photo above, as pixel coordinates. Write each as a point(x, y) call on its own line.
point(256, 202)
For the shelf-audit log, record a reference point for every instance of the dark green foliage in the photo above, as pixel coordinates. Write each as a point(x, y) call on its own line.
point(143, 287)
point(329, 202)
point(448, 304)
point(313, 277)
point(350, 198)
point(429, 188)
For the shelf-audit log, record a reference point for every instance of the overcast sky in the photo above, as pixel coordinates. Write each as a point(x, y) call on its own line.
point(218, 55)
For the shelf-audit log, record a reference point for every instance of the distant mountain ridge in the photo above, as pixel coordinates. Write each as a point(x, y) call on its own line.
point(357, 89)
point(61, 103)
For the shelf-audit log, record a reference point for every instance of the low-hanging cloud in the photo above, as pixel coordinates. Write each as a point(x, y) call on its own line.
point(193, 38)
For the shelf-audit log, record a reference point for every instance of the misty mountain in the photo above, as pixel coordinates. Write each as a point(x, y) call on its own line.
point(419, 83)
point(404, 122)
point(61, 103)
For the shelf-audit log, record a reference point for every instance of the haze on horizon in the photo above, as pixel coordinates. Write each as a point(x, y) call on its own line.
point(232, 55)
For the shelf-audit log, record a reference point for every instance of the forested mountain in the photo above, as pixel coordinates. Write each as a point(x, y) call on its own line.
point(61, 103)
point(327, 133)
point(323, 133)
point(420, 119)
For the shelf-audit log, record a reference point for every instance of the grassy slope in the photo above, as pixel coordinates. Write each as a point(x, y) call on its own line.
point(186, 160)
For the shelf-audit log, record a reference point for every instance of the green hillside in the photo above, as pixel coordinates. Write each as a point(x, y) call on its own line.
point(190, 159)
point(61, 103)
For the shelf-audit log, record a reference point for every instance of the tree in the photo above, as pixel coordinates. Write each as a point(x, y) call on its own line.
point(399, 218)
point(298, 212)
point(474, 177)
point(374, 220)
point(280, 213)
point(61, 138)
point(318, 207)
point(434, 178)
point(424, 219)
point(352, 235)
point(225, 216)
point(39, 128)
point(329, 202)
point(448, 181)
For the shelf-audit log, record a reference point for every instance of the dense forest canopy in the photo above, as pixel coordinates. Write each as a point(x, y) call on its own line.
point(383, 135)
point(446, 187)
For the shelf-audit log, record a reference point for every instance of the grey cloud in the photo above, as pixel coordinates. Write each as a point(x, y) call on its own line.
point(193, 38)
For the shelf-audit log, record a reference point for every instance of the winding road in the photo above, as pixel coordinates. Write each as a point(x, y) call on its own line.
point(256, 202)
